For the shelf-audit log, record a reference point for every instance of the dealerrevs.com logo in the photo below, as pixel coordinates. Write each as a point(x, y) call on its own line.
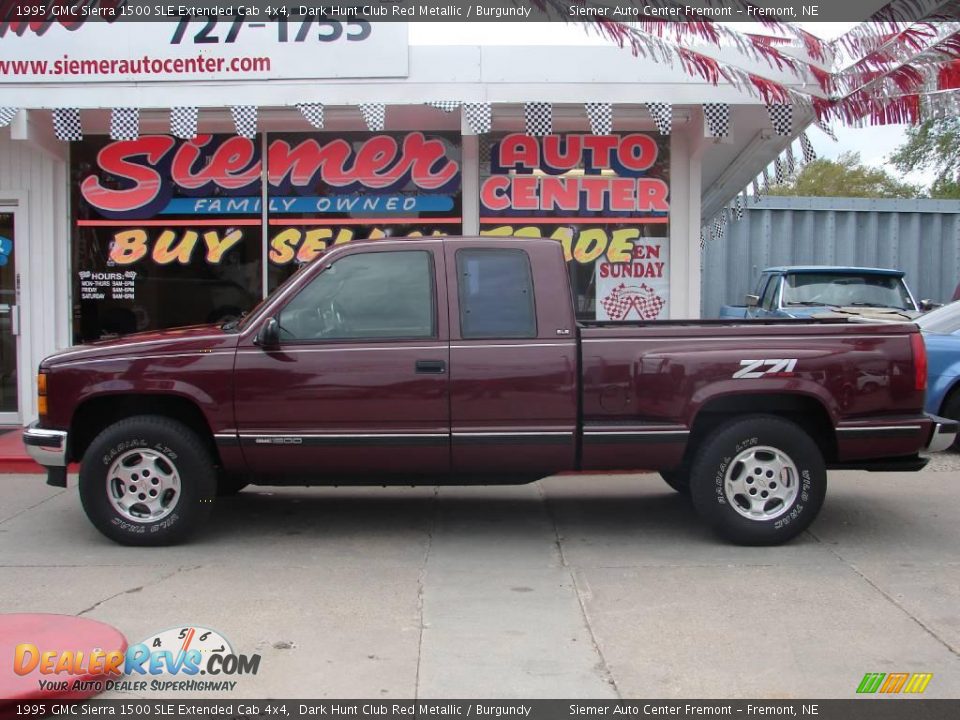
point(172, 660)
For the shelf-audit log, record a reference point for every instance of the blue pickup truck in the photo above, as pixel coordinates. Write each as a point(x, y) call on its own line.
point(825, 290)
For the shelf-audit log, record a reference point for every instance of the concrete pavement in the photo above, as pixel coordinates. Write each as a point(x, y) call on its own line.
point(586, 587)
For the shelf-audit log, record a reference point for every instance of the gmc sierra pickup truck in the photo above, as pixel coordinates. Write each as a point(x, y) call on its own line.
point(460, 361)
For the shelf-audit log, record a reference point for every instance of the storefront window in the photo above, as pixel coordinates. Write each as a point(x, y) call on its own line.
point(170, 233)
point(165, 232)
point(327, 190)
point(605, 198)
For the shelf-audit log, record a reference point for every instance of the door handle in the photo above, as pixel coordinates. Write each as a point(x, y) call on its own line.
point(431, 367)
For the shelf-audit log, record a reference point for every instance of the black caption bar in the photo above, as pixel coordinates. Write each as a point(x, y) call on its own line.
point(861, 709)
point(477, 10)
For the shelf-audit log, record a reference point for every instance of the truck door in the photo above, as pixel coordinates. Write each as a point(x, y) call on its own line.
point(359, 383)
point(513, 359)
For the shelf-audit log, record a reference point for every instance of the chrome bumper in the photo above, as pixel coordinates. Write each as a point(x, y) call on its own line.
point(47, 447)
point(943, 435)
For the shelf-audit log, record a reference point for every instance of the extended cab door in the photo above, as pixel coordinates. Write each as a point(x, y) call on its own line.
point(513, 358)
point(358, 384)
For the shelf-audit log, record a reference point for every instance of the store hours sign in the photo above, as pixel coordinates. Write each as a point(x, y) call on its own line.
point(225, 49)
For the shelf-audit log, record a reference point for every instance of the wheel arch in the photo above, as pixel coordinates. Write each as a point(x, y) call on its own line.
point(952, 392)
point(804, 410)
point(96, 413)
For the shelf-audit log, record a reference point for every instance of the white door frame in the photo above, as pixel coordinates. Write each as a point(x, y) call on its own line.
point(15, 201)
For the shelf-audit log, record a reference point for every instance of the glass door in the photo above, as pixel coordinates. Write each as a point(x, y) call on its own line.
point(9, 405)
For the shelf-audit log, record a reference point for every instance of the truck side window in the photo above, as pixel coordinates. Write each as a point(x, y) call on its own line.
point(769, 300)
point(496, 294)
point(373, 295)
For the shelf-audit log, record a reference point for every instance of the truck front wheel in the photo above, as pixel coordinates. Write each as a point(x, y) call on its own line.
point(147, 480)
point(758, 481)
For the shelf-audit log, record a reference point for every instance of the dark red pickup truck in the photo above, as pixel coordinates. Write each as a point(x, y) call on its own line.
point(459, 361)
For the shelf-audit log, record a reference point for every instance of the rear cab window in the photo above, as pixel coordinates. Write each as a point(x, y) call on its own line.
point(495, 289)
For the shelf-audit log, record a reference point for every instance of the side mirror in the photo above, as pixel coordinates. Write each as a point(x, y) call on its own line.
point(927, 305)
point(269, 335)
point(753, 300)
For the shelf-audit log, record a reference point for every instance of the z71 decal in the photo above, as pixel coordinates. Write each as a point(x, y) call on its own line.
point(776, 367)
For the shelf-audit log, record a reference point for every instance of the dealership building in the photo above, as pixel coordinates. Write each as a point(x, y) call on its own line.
point(160, 174)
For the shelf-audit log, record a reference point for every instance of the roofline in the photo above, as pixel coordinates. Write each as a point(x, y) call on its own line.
point(833, 269)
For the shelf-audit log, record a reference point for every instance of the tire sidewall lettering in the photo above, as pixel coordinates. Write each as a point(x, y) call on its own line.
point(134, 444)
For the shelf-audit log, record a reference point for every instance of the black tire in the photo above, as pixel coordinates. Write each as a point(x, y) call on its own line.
point(173, 451)
point(678, 479)
point(951, 409)
point(778, 519)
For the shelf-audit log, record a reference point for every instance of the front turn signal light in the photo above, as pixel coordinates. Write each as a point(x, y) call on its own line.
point(42, 394)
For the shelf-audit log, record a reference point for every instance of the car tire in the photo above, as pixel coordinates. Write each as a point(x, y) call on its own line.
point(147, 481)
point(951, 409)
point(760, 480)
point(678, 479)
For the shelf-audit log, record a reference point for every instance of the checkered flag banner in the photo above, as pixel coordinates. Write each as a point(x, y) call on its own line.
point(245, 120)
point(790, 160)
point(623, 299)
point(738, 207)
point(6, 115)
point(717, 116)
point(703, 244)
point(124, 123)
point(445, 105)
point(374, 115)
point(479, 117)
point(539, 117)
point(486, 149)
point(809, 154)
point(828, 131)
point(778, 171)
point(183, 122)
point(781, 116)
point(66, 124)
point(766, 181)
point(312, 113)
point(757, 196)
point(719, 222)
point(601, 117)
point(662, 114)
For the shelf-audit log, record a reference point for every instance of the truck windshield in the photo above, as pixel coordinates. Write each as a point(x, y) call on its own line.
point(843, 290)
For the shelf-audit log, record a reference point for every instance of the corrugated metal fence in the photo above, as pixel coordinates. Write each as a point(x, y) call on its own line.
point(921, 237)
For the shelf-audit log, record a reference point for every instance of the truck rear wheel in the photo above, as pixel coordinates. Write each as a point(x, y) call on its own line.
point(147, 480)
point(758, 481)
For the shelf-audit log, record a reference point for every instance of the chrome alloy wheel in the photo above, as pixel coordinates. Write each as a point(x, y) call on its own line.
point(761, 483)
point(143, 485)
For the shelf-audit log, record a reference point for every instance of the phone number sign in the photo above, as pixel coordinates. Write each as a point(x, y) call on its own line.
point(227, 48)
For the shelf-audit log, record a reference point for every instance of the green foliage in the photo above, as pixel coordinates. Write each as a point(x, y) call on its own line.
point(846, 176)
point(934, 144)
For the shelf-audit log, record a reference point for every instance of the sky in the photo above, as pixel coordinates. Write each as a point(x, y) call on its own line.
point(875, 144)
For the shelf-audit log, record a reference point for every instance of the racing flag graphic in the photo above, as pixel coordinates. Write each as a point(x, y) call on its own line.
point(623, 298)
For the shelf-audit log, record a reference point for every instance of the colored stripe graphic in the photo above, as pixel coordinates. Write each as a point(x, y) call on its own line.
point(918, 682)
point(894, 682)
point(871, 682)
